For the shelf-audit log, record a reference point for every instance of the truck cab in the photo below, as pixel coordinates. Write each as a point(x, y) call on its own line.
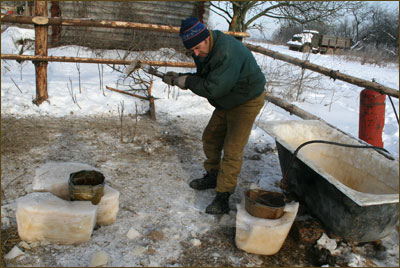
point(304, 42)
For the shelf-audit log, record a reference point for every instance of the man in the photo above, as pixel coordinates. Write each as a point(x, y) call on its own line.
point(229, 77)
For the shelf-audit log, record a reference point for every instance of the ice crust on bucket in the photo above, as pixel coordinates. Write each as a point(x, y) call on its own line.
point(53, 177)
point(45, 217)
point(263, 236)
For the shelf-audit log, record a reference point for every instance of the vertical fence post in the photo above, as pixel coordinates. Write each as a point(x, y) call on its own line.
point(372, 117)
point(41, 50)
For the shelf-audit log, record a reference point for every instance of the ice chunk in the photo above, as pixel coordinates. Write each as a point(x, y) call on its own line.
point(53, 177)
point(263, 236)
point(99, 258)
point(133, 234)
point(108, 206)
point(14, 252)
point(326, 242)
point(195, 242)
point(45, 217)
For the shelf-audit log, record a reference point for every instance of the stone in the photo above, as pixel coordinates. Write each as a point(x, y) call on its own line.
point(133, 234)
point(14, 252)
point(99, 259)
point(108, 206)
point(263, 236)
point(47, 218)
point(195, 242)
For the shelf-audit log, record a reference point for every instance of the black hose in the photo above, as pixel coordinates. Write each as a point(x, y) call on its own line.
point(394, 109)
point(341, 144)
point(283, 181)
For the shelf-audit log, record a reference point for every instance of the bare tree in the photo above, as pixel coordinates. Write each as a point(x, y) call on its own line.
point(244, 15)
point(360, 15)
point(383, 27)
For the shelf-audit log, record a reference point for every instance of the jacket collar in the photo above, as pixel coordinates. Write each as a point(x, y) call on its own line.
point(211, 41)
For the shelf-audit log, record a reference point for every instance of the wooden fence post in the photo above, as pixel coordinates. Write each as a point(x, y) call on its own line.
point(41, 50)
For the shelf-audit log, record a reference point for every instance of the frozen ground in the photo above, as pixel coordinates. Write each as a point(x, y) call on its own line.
point(152, 175)
point(153, 171)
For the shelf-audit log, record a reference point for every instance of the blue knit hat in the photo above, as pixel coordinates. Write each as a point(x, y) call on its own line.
point(192, 32)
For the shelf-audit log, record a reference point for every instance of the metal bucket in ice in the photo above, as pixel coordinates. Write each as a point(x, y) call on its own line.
point(86, 185)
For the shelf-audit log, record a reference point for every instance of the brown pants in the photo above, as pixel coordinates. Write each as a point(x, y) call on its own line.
point(229, 131)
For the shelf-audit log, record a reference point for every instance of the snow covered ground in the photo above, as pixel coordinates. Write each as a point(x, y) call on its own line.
point(336, 102)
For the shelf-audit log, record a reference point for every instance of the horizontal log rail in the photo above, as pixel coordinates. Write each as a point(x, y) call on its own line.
point(94, 60)
point(325, 71)
point(128, 93)
point(102, 23)
point(291, 108)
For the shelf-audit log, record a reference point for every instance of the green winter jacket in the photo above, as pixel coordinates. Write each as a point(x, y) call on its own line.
point(229, 75)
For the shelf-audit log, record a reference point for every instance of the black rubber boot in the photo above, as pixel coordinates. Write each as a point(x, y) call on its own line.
point(220, 204)
point(207, 182)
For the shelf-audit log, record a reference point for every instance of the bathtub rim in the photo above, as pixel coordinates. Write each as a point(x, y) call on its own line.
point(360, 198)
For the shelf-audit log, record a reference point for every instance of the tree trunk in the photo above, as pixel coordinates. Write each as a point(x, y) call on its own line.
point(41, 50)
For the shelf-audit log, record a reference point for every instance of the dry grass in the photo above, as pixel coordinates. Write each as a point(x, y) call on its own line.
point(9, 238)
point(380, 56)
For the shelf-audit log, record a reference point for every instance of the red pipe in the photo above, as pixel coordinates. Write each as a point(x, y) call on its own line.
point(372, 117)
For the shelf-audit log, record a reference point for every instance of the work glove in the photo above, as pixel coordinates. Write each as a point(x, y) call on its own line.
point(180, 81)
point(169, 77)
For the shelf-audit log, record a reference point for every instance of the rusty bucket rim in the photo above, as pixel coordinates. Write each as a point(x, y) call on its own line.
point(262, 210)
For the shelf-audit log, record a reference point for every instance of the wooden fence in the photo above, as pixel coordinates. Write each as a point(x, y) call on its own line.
point(41, 22)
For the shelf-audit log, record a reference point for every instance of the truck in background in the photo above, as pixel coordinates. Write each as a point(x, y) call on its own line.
point(310, 40)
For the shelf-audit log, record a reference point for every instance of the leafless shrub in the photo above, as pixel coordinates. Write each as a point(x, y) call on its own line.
point(71, 92)
point(16, 84)
point(132, 129)
point(100, 68)
point(371, 54)
point(291, 82)
point(78, 67)
point(121, 120)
